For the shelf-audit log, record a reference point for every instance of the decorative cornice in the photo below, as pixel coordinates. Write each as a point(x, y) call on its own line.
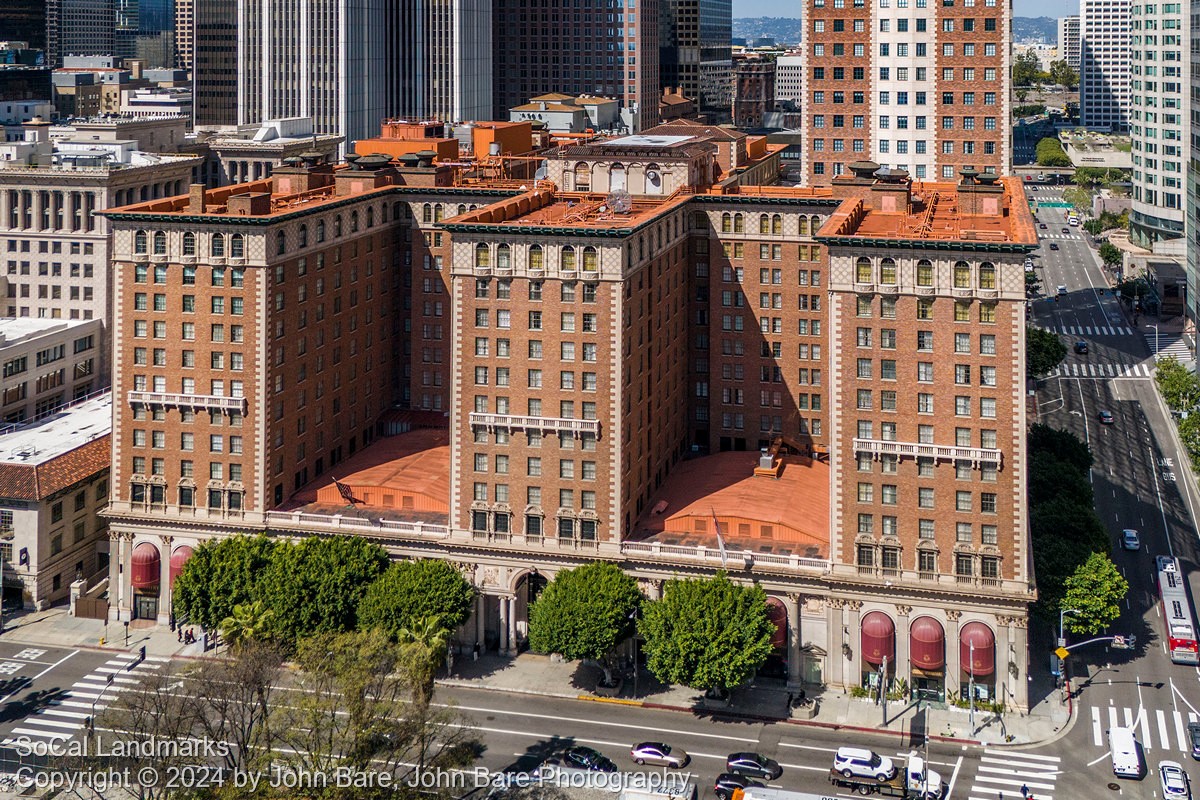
point(758, 199)
point(900, 243)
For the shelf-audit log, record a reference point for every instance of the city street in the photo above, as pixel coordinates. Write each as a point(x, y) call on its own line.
point(1138, 484)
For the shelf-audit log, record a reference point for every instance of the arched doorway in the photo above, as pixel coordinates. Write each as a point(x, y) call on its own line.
point(977, 654)
point(145, 568)
point(776, 665)
point(526, 592)
point(927, 649)
point(878, 646)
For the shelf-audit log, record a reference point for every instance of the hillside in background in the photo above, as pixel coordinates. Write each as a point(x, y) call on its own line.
point(784, 30)
point(1035, 29)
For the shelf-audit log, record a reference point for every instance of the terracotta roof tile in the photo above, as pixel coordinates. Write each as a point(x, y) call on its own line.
point(36, 482)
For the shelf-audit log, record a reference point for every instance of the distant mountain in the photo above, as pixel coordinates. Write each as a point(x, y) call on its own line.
point(1035, 29)
point(784, 30)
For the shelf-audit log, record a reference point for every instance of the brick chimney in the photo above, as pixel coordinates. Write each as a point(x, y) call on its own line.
point(196, 202)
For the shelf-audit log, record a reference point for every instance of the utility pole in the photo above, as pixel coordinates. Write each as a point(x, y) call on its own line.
point(883, 673)
point(971, 683)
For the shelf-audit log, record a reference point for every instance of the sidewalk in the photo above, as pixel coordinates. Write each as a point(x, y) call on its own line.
point(54, 627)
point(768, 701)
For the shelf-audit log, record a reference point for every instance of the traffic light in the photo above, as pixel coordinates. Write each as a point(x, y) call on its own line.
point(142, 653)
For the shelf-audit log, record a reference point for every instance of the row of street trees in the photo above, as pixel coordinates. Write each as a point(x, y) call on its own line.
point(1027, 71)
point(1070, 544)
point(1180, 390)
point(705, 633)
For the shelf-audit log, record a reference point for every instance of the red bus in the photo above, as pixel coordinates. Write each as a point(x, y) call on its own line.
point(1177, 612)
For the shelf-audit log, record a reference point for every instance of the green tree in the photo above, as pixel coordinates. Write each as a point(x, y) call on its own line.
point(1043, 351)
point(1062, 445)
point(1033, 284)
point(584, 613)
point(1093, 226)
point(221, 574)
point(249, 622)
point(1177, 384)
point(1062, 74)
point(1026, 69)
point(1096, 590)
point(316, 585)
point(425, 645)
point(1110, 254)
point(1063, 535)
point(1021, 94)
point(1050, 479)
point(1050, 153)
point(1088, 177)
point(707, 633)
point(1078, 197)
point(410, 592)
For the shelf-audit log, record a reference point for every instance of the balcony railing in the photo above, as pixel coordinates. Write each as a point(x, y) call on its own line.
point(576, 426)
point(712, 555)
point(181, 400)
point(942, 452)
point(382, 528)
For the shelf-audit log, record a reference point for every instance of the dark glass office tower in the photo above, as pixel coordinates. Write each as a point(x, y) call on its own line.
point(696, 56)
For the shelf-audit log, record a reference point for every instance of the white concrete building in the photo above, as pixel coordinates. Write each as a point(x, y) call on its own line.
point(1068, 40)
point(789, 74)
point(904, 70)
point(53, 484)
point(1193, 187)
point(46, 364)
point(1159, 125)
point(1104, 64)
point(54, 247)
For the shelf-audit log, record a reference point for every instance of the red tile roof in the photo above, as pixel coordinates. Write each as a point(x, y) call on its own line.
point(36, 482)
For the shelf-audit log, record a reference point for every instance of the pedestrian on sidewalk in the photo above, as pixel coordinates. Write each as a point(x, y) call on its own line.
point(1025, 795)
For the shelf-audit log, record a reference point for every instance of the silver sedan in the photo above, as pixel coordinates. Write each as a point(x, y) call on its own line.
point(659, 754)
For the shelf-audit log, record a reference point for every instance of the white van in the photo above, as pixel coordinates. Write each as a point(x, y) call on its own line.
point(1126, 754)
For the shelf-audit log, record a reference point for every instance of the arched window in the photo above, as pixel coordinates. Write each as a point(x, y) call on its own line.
point(726, 223)
point(462, 208)
point(887, 272)
point(354, 221)
point(303, 236)
point(383, 212)
point(140, 242)
point(777, 224)
point(591, 260)
point(503, 259)
point(427, 212)
point(483, 256)
point(616, 178)
point(764, 223)
point(568, 258)
point(583, 177)
point(280, 243)
point(535, 257)
point(803, 225)
point(962, 275)
point(739, 223)
point(237, 246)
point(862, 271)
point(337, 226)
point(370, 218)
point(924, 272)
point(987, 275)
point(438, 211)
point(218, 245)
point(320, 230)
point(189, 244)
point(160, 243)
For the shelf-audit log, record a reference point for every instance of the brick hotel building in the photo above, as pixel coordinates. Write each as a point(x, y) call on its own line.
point(520, 376)
point(920, 85)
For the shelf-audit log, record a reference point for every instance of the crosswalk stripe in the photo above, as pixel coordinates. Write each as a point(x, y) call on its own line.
point(58, 712)
point(79, 704)
point(54, 723)
point(1144, 724)
point(1002, 771)
point(1097, 739)
point(1000, 790)
point(1014, 782)
point(1179, 734)
point(1112, 717)
point(1163, 734)
point(1009, 755)
point(42, 734)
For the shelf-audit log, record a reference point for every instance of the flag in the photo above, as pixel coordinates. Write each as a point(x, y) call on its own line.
point(720, 539)
point(346, 492)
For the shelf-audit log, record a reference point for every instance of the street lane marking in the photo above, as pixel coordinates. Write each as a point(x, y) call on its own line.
point(1015, 782)
point(1179, 733)
point(1008, 756)
point(71, 654)
point(1001, 771)
point(1097, 739)
point(1163, 734)
point(602, 722)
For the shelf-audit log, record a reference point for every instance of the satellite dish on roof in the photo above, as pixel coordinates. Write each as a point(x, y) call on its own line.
point(620, 202)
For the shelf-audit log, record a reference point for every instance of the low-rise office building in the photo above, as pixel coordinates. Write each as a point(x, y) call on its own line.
point(46, 364)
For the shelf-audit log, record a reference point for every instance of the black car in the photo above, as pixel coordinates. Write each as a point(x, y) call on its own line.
point(753, 765)
point(1081, 348)
point(1054, 245)
point(587, 758)
point(1194, 738)
point(727, 782)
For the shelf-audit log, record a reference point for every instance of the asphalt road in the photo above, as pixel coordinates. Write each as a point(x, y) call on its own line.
point(1135, 479)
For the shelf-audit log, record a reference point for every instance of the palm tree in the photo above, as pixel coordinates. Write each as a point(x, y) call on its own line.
point(432, 639)
point(248, 623)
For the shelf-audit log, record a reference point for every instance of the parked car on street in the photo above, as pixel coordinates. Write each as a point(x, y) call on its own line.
point(1174, 781)
point(1062, 289)
point(727, 782)
point(1193, 731)
point(1081, 347)
point(586, 758)
point(659, 754)
point(753, 765)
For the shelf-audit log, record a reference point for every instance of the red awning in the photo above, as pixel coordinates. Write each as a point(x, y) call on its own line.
point(980, 635)
point(178, 559)
point(878, 638)
point(778, 616)
point(927, 644)
point(145, 566)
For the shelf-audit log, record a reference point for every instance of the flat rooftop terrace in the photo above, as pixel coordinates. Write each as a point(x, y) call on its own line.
point(788, 515)
point(51, 437)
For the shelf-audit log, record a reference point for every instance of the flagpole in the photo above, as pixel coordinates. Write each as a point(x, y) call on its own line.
point(720, 539)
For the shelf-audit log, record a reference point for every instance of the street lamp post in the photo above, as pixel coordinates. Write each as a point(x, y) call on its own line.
point(883, 673)
point(1148, 325)
point(1062, 639)
point(971, 682)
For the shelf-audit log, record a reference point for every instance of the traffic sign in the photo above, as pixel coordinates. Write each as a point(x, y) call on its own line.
point(1062, 652)
point(1118, 641)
